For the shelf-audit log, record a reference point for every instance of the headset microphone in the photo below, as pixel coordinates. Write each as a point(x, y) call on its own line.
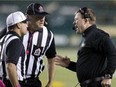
point(74, 28)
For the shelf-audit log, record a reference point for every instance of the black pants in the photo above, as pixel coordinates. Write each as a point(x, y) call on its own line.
point(7, 83)
point(31, 82)
point(95, 82)
point(92, 84)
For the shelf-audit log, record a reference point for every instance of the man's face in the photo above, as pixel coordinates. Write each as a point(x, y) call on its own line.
point(36, 21)
point(24, 26)
point(79, 23)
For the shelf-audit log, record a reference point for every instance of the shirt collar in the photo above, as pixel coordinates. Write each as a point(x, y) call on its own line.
point(39, 29)
point(14, 33)
point(89, 29)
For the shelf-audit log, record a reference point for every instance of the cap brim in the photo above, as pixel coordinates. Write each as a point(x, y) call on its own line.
point(40, 14)
point(43, 13)
point(27, 19)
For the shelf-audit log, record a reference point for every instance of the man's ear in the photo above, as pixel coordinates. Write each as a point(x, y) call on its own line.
point(86, 20)
point(18, 25)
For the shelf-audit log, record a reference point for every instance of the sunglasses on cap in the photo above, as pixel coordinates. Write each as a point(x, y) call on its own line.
point(25, 21)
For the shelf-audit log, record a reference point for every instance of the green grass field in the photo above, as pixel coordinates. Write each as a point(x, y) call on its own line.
point(64, 77)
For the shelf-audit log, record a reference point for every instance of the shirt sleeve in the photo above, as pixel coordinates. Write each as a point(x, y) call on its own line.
point(72, 66)
point(110, 51)
point(51, 52)
point(13, 51)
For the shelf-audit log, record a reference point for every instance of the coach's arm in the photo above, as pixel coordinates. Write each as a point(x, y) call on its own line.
point(65, 62)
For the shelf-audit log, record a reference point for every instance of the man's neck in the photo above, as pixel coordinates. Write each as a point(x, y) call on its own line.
point(34, 29)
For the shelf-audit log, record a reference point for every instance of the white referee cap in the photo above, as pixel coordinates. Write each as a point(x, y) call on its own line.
point(14, 18)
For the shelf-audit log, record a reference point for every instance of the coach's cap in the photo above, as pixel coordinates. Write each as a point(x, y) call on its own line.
point(15, 17)
point(36, 9)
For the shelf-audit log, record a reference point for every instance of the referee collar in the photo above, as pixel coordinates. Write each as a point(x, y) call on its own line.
point(38, 29)
point(14, 33)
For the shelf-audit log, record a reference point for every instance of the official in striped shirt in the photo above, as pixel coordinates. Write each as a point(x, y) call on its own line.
point(12, 50)
point(39, 41)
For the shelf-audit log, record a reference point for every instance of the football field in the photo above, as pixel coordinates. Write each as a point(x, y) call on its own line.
point(64, 77)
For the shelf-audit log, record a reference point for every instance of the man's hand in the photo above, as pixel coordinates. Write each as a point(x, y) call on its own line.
point(62, 61)
point(106, 83)
point(48, 85)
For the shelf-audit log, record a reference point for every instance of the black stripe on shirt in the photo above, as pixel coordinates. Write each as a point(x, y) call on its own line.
point(39, 41)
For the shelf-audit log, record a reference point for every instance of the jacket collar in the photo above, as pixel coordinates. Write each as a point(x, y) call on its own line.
point(89, 29)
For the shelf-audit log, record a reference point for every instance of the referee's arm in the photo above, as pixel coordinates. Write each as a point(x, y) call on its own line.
point(13, 52)
point(12, 73)
point(51, 53)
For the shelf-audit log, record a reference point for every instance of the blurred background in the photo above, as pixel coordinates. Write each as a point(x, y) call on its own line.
point(61, 17)
point(60, 22)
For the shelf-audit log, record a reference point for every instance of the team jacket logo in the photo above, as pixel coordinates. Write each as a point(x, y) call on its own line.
point(82, 44)
point(41, 9)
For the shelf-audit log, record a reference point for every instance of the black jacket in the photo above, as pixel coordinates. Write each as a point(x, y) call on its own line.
point(96, 55)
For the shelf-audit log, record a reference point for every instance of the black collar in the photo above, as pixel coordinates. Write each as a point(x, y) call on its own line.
point(14, 33)
point(89, 29)
point(39, 29)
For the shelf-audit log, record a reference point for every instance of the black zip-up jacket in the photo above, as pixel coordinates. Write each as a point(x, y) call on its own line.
point(96, 55)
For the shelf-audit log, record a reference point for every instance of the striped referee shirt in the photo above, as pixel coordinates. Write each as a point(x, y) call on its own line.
point(13, 52)
point(38, 44)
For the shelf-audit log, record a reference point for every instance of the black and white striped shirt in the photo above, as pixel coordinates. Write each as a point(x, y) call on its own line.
point(13, 52)
point(37, 45)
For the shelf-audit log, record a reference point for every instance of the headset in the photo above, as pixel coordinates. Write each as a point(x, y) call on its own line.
point(84, 12)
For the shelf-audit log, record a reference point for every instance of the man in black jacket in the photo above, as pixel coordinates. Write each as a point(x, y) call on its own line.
point(96, 56)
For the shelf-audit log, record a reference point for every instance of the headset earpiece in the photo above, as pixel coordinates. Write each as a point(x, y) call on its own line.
point(84, 12)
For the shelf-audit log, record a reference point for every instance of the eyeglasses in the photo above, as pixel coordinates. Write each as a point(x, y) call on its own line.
point(84, 12)
point(25, 21)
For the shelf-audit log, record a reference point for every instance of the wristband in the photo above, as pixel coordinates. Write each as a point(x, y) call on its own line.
point(18, 85)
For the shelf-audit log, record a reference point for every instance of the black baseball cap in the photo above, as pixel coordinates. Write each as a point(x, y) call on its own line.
point(36, 9)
